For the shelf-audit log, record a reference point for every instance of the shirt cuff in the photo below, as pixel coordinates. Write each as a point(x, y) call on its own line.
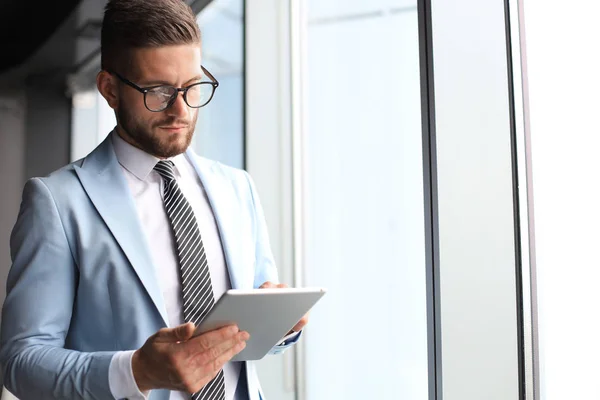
point(120, 378)
point(289, 338)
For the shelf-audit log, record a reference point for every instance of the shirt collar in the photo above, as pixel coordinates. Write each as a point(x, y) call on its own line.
point(135, 160)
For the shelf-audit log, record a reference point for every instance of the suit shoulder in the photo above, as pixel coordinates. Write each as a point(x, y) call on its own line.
point(62, 178)
point(232, 172)
point(227, 172)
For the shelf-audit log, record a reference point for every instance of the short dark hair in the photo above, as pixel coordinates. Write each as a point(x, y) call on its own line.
point(130, 24)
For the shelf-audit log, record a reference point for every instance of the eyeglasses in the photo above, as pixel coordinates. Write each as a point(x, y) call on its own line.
point(159, 98)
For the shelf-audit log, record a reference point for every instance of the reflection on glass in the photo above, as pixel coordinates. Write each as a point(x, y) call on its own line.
point(220, 130)
point(365, 216)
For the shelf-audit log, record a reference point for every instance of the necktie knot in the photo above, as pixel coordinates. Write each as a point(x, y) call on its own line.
point(166, 169)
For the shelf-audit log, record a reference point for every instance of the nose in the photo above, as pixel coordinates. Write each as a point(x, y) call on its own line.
point(179, 108)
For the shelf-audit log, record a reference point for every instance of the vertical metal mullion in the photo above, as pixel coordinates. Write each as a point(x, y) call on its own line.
point(516, 205)
point(523, 198)
point(244, 77)
point(431, 200)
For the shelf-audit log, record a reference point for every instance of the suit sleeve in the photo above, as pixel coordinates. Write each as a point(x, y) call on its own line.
point(265, 269)
point(41, 290)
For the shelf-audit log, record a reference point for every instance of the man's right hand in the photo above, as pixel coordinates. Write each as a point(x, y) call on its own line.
point(173, 359)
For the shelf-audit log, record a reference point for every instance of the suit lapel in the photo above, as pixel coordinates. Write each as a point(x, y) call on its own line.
point(221, 195)
point(103, 180)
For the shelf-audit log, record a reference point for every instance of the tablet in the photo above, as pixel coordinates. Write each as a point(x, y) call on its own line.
point(266, 314)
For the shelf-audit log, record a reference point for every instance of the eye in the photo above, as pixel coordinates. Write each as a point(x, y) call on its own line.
point(162, 91)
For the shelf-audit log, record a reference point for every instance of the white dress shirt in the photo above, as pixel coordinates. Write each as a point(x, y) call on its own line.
point(146, 187)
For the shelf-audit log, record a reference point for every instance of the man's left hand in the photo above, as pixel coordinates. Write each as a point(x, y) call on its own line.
point(303, 321)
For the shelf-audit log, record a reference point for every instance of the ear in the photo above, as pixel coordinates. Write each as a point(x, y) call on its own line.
point(107, 86)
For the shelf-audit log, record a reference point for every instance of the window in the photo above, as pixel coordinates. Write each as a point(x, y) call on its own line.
point(220, 128)
point(563, 84)
point(364, 221)
point(91, 121)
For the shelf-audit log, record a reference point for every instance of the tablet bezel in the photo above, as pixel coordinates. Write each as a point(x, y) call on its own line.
point(282, 308)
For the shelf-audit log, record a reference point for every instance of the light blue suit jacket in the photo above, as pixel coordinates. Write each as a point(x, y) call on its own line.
point(83, 286)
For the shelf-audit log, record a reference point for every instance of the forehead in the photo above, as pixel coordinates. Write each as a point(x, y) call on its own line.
point(174, 64)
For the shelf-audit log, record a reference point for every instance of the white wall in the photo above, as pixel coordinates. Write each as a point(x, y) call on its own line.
point(477, 254)
point(12, 164)
point(564, 82)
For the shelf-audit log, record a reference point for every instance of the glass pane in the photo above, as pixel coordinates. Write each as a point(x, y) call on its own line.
point(563, 107)
point(365, 215)
point(91, 121)
point(84, 123)
point(220, 129)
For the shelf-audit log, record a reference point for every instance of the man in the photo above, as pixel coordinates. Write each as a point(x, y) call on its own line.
point(117, 256)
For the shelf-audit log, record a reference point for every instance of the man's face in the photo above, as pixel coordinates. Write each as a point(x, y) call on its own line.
point(166, 133)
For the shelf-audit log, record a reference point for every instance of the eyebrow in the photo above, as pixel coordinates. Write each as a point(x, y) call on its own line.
point(160, 83)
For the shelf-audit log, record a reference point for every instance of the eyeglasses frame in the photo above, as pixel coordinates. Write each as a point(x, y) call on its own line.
point(144, 90)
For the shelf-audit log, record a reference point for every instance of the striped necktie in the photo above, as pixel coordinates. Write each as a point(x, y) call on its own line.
point(196, 286)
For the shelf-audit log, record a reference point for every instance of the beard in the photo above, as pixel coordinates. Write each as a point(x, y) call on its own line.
point(145, 138)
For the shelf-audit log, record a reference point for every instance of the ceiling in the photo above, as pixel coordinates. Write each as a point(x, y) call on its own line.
point(44, 41)
point(26, 25)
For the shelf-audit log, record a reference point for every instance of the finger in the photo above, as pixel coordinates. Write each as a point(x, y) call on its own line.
point(301, 324)
point(211, 361)
point(282, 286)
point(199, 361)
point(178, 334)
point(205, 375)
point(209, 355)
point(208, 340)
point(267, 285)
point(227, 355)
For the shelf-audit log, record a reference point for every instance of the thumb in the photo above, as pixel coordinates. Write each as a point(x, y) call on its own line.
point(178, 334)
